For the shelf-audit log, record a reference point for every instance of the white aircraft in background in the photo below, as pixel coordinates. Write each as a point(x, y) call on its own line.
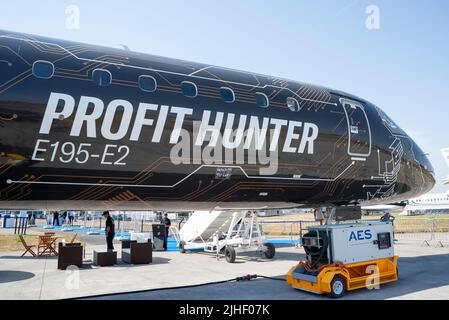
point(437, 203)
point(433, 202)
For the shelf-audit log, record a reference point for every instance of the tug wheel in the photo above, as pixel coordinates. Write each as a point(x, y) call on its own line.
point(338, 287)
point(269, 251)
point(230, 254)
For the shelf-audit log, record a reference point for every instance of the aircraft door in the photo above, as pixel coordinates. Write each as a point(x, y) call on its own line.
point(359, 131)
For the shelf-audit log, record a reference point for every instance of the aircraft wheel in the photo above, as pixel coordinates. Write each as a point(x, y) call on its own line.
point(338, 287)
point(230, 254)
point(269, 251)
point(182, 247)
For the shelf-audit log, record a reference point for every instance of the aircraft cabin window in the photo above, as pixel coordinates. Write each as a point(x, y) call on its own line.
point(293, 104)
point(43, 69)
point(262, 100)
point(147, 83)
point(189, 89)
point(101, 77)
point(227, 95)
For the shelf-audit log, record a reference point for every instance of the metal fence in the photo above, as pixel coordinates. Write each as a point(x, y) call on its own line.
point(294, 229)
point(428, 231)
point(97, 224)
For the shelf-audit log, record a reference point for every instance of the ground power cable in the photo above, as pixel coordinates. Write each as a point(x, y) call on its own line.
point(237, 279)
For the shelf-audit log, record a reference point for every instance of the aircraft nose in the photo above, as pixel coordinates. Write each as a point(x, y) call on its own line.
point(422, 172)
point(428, 171)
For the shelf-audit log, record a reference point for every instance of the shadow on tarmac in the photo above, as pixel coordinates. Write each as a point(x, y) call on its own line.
point(14, 276)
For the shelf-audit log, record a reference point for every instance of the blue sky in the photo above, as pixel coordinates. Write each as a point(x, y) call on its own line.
point(403, 67)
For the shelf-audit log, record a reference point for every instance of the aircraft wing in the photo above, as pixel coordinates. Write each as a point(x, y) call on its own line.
point(386, 207)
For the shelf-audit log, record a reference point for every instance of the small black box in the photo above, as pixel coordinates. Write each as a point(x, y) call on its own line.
point(105, 258)
point(70, 255)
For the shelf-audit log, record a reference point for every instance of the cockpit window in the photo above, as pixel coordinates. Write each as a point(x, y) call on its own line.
point(389, 123)
point(293, 104)
point(101, 77)
point(43, 69)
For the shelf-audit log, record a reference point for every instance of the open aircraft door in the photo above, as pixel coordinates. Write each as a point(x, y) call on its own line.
point(359, 131)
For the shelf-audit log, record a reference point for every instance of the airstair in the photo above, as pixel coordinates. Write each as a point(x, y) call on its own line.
point(223, 232)
point(203, 225)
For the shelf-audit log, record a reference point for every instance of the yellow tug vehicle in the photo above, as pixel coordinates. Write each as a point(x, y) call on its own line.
point(345, 257)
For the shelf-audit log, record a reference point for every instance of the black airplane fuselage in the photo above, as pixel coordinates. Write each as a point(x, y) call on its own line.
point(91, 128)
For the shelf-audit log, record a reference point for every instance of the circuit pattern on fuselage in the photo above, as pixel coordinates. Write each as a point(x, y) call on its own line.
point(330, 175)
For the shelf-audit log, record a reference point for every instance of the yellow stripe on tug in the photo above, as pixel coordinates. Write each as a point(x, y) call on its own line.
point(337, 278)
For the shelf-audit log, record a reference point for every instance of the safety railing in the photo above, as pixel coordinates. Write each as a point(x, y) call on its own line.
point(97, 224)
point(293, 229)
point(174, 232)
point(428, 230)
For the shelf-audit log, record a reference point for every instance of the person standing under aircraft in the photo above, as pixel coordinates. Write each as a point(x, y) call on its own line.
point(56, 218)
point(70, 216)
point(166, 221)
point(109, 231)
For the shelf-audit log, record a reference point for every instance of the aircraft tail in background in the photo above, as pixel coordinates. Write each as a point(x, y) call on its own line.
point(445, 153)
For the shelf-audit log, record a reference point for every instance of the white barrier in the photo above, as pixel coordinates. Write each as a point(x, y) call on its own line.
point(428, 231)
